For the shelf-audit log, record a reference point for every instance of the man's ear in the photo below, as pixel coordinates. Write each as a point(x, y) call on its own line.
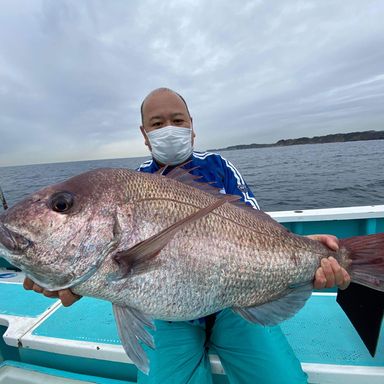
point(193, 132)
point(146, 141)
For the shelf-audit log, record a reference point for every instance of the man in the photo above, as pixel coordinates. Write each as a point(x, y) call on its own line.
point(249, 352)
point(167, 128)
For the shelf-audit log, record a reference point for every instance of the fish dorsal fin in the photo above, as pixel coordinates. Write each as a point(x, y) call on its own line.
point(185, 176)
point(276, 311)
point(137, 259)
point(130, 326)
point(175, 170)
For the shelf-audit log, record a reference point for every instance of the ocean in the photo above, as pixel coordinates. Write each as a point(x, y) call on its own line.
point(282, 178)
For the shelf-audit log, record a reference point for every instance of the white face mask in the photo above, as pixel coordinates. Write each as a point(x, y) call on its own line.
point(171, 145)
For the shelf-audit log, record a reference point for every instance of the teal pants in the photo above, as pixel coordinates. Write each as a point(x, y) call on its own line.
point(248, 352)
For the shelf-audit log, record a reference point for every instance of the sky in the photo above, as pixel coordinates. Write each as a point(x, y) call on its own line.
point(73, 73)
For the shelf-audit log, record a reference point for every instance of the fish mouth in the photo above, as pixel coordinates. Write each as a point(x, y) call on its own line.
point(13, 241)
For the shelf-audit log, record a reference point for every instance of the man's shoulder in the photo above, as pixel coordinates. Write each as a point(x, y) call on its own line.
point(146, 166)
point(212, 159)
point(219, 164)
point(207, 157)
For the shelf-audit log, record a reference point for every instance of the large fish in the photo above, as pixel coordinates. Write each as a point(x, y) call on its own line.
point(159, 248)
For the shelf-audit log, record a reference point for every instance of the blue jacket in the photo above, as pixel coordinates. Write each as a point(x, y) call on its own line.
point(213, 168)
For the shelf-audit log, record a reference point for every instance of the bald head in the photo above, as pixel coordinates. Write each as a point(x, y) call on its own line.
point(159, 92)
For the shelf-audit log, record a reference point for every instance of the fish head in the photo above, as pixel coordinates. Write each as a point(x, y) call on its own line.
point(60, 235)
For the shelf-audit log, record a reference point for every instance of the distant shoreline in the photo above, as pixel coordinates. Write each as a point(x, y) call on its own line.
point(332, 138)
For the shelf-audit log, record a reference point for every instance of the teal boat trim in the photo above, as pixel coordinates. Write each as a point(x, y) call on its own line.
point(16, 372)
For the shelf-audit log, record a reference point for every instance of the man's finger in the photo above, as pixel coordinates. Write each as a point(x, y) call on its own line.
point(337, 271)
point(329, 241)
point(342, 278)
point(320, 279)
point(37, 288)
point(67, 297)
point(28, 284)
point(328, 272)
point(347, 280)
point(50, 294)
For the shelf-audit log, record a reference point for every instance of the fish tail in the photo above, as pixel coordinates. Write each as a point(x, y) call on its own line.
point(363, 302)
point(366, 254)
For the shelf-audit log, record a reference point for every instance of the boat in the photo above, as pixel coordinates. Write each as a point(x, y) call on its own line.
point(44, 342)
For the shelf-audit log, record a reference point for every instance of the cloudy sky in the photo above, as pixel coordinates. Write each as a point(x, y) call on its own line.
point(73, 73)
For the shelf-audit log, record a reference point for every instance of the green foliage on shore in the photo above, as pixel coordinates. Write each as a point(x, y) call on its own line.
point(332, 138)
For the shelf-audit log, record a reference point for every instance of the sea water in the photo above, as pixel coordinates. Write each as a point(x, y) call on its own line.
point(282, 178)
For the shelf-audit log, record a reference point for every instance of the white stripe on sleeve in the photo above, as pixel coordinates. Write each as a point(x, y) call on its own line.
point(241, 181)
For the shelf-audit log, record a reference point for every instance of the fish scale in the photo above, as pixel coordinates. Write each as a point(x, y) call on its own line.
point(215, 246)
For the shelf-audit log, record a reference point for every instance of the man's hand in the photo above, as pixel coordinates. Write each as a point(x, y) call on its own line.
point(65, 295)
point(330, 273)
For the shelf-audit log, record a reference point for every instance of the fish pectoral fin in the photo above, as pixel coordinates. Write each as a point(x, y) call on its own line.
point(137, 259)
point(130, 326)
point(276, 311)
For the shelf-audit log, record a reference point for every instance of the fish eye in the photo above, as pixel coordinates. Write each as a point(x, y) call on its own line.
point(61, 202)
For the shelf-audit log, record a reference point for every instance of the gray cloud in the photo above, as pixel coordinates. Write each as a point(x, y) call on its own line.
point(72, 74)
